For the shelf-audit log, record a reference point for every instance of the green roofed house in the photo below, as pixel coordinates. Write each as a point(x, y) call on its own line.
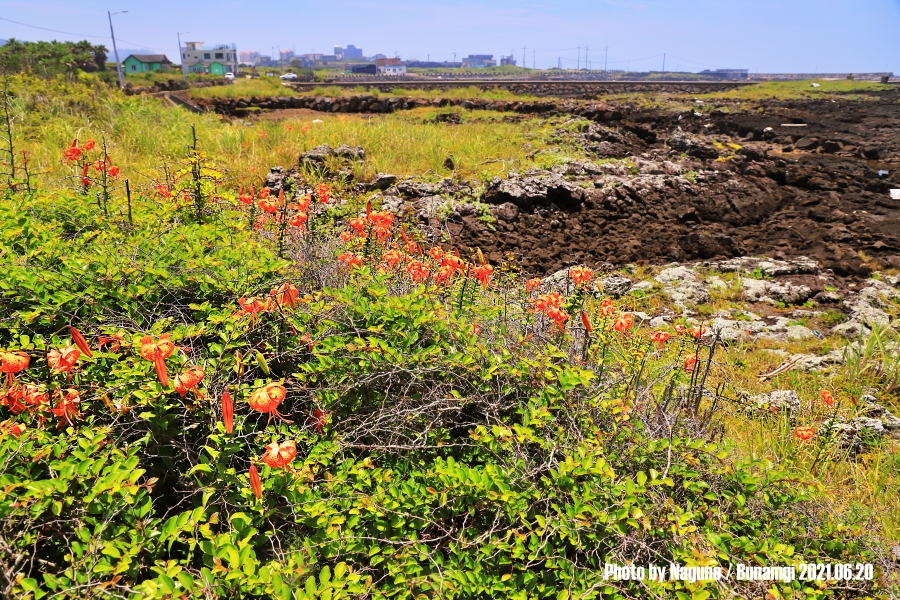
point(139, 63)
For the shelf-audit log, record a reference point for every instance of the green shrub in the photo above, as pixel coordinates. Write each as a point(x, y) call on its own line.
point(450, 441)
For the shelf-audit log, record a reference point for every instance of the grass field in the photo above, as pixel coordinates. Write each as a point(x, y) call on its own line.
point(402, 143)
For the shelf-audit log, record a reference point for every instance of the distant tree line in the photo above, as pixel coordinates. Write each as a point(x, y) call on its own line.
point(48, 59)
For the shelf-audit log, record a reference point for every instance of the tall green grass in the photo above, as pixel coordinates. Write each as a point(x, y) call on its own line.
point(143, 134)
point(243, 87)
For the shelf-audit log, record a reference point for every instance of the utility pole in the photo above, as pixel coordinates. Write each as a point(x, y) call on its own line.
point(533, 60)
point(523, 56)
point(181, 52)
point(559, 63)
point(586, 63)
point(115, 51)
point(664, 62)
point(281, 59)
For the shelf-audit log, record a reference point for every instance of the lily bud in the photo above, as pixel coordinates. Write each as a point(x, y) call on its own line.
point(80, 341)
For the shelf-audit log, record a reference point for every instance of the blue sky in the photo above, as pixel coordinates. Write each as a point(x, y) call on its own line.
point(760, 35)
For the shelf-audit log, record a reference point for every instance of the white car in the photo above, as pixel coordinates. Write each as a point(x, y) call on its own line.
point(229, 76)
point(289, 76)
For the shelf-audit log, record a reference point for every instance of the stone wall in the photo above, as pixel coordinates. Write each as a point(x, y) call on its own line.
point(378, 104)
point(558, 89)
point(173, 85)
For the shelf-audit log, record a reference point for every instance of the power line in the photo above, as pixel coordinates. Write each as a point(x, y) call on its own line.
point(101, 37)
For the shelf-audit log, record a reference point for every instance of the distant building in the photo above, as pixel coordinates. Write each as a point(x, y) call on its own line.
point(507, 60)
point(142, 63)
point(249, 57)
point(216, 59)
point(348, 53)
point(728, 74)
point(390, 66)
point(478, 61)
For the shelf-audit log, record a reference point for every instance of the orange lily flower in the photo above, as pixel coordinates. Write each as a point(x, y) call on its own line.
point(624, 323)
point(73, 152)
point(322, 192)
point(158, 352)
point(67, 407)
point(12, 398)
point(532, 284)
point(689, 363)
point(393, 257)
point(697, 332)
point(80, 341)
point(350, 259)
point(255, 483)
point(558, 315)
point(298, 220)
point(286, 295)
point(63, 361)
point(13, 362)
point(358, 224)
point(114, 341)
point(417, 270)
point(580, 274)
point(113, 171)
point(268, 205)
point(188, 380)
point(804, 433)
point(483, 274)
point(279, 455)
point(34, 396)
point(607, 309)
point(88, 145)
point(680, 329)
point(267, 398)
point(227, 412)
point(828, 398)
point(660, 337)
point(545, 301)
point(302, 203)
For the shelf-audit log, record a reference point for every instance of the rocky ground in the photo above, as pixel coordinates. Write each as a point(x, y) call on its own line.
point(782, 179)
point(753, 303)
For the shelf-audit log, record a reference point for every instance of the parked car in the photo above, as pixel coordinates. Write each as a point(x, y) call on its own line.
point(229, 76)
point(289, 76)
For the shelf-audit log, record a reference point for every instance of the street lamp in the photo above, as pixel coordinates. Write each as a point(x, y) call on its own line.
point(181, 52)
point(115, 51)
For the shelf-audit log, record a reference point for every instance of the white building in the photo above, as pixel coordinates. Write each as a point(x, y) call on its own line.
point(217, 59)
point(392, 70)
